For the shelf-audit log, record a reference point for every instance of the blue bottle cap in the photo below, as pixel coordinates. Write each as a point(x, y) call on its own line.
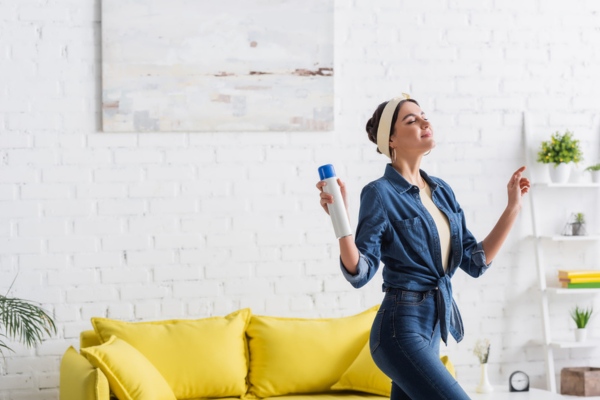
point(326, 171)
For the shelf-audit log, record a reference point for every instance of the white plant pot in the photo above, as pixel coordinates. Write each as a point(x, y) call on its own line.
point(581, 334)
point(541, 172)
point(560, 173)
point(484, 385)
point(596, 176)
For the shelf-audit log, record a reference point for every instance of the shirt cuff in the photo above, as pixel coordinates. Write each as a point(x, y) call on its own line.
point(362, 269)
point(478, 257)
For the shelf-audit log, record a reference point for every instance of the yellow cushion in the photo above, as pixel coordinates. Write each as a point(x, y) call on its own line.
point(81, 380)
point(130, 375)
point(364, 375)
point(198, 358)
point(88, 338)
point(294, 355)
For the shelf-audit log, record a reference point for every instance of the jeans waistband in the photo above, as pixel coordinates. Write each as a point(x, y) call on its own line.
point(398, 290)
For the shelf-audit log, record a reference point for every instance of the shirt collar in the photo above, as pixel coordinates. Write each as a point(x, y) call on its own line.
point(401, 184)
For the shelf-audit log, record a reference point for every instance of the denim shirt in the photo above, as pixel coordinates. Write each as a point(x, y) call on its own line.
point(394, 227)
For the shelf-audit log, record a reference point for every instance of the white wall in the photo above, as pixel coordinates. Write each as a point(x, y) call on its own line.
point(152, 226)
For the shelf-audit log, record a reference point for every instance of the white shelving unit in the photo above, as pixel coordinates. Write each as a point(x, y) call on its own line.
point(545, 292)
point(542, 241)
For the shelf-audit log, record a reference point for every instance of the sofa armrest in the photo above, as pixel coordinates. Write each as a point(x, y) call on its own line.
point(80, 380)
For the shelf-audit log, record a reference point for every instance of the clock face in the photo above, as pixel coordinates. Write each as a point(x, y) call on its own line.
point(519, 381)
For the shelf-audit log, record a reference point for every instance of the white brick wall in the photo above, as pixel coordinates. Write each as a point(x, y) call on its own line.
point(152, 226)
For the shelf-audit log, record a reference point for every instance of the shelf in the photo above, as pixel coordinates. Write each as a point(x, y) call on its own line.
point(567, 185)
point(555, 290)
point(563, 238)
point(575, 345)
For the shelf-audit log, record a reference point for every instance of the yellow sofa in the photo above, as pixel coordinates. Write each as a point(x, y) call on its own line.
point(239, 355)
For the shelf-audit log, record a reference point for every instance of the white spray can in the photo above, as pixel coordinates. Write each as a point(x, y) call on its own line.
point(337, 210)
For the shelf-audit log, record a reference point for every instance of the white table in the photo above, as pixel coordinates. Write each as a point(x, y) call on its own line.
point(502, 393)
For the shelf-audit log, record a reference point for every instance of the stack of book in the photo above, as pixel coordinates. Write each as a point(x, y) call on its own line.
point(579, 279)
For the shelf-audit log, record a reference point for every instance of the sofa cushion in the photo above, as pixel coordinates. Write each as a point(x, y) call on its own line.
point(88, 338)
point(79, 379)
point(298, 355)
point(364, 376)
point(130, 375)
point(198, 358)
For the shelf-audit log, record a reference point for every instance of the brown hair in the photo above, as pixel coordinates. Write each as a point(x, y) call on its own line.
point(373, 122)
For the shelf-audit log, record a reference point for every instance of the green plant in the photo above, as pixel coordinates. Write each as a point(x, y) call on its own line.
point(560, 149)
point(595, 167)
point(580, 218)
point(24, 321)
point(581, 316)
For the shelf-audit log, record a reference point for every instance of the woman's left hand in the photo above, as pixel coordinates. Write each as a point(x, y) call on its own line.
point(517, 187)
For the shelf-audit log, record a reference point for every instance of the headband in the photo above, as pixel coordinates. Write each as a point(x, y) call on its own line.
point(385, 124)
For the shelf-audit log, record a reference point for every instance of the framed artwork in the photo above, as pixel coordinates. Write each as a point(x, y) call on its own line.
point(226, 65)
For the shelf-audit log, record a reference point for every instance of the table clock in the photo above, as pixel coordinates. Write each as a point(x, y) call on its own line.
point(518, 382)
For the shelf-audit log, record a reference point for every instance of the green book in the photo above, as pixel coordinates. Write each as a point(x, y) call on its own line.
point(584, 285)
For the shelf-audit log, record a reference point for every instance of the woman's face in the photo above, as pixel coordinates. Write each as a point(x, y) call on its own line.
point(413, 133)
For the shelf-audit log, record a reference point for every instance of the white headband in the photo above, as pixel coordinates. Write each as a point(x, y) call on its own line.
point(385, 124)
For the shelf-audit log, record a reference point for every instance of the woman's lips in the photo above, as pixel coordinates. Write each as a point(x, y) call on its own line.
point(427, 134)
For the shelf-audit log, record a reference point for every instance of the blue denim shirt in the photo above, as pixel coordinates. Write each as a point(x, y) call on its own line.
point(394, 227)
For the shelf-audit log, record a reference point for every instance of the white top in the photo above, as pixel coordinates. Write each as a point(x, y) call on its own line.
point(441, 222)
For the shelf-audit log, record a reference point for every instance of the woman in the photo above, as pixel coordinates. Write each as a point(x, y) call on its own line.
point(412, 223)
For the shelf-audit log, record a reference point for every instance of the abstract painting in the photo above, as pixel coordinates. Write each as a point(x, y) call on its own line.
point(226, 65)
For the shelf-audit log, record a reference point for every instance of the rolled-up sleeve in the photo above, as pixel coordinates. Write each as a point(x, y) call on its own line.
point(478, 256)
point(361, 278)
point(473, 260)
point(372, 222)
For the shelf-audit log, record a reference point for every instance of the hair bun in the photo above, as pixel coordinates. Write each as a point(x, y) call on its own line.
point(370, 126)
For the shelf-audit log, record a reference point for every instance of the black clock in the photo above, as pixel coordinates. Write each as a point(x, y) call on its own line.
point(518, 382)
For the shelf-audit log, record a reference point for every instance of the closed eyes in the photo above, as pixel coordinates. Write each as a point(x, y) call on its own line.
point(414, 116)
point(414, 120)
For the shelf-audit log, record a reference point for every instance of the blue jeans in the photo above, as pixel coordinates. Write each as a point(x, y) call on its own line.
point(405, 344)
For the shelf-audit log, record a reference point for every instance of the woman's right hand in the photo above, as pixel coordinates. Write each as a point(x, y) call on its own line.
point(327, 198)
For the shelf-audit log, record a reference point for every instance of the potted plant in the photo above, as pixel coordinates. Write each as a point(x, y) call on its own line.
point(23, 321)
point(595, 170)
point(581, 316)
point(561, 151)
point(578, 225)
